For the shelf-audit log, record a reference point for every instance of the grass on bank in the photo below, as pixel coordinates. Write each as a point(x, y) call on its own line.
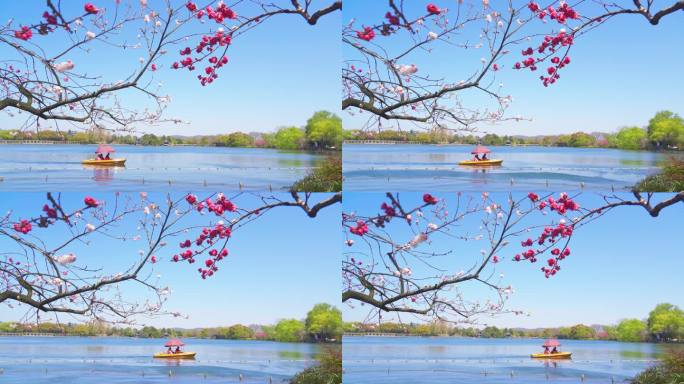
point(328, 371)
point(326, 178)
point(669, 371)
point(669, 179)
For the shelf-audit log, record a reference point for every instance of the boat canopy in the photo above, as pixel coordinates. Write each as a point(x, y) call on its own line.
point(551, 343)
point(480, 149)
point(174, 343)
point(104, 148)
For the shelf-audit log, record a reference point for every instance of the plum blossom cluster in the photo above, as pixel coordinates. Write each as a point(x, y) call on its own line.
point(360, 229)
point(219, 14)
point(551, 235)
point(51, 22)
point(207, 238)
point(220, 205)
point(393, 23)
point(551, 43)
point(208, 43)
point(51, 216)
point(560, 14)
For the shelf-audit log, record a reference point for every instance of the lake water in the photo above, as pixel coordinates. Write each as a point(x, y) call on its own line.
point(43, 167)
point(416, 167)
point(399, 360)
point(86, 360)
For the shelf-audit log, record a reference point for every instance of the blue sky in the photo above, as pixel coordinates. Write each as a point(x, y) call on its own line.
point(279, 73)
point(621, 266)
point(278, 267)
point(621, 73)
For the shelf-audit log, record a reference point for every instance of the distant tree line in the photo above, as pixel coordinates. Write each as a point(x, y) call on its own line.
point(322, 131)
point(323, 323)
point(664, 131)
point(665, 323)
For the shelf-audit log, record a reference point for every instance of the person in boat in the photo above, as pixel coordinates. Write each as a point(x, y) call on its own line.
point(477, 157)
point(546, 350)
point(178, 350)
point(484, 157)
point(554, 350)
point(100, 157)
point(107, 157)
point(169, 351)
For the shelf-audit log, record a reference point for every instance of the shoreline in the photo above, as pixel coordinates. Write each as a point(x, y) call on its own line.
point(390, 142)
point(506, 338)
point(58, 143)
point(158, 338)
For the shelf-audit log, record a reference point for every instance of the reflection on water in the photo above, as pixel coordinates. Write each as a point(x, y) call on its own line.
point(292, 355)
point(41, 167)
point(421, 167)
point(102, 174)
point(50, 360)
point(290, 163)
point(399, 360)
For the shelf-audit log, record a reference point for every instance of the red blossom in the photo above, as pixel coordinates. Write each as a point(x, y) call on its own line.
point(389, 210)
point(90, 9)
point(429, 199)
point(50, 212)
point(50, 18)
point(90, 202)
point(393, 19)
point(360, 229)
point(24, 226)
point(367, 34)
point(24, 33)
point(433, 9)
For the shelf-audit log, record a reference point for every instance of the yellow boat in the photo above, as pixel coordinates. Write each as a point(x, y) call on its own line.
point(558, 355)
point(110, 162)
point(481, 162)
point(180, 355)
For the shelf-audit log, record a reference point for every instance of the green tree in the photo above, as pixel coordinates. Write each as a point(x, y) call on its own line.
point(581, 139)
point(236, 139)
point(239, 332)
point(666, 322)
point(666, 128)
point(150, 332)
point(493, 139)
point(631, 138)
point(289, 330)
point(631, 330)
point(151, 139)
point(324, 129)
point(492, 332)
point(581, 331)
point(289, 138)
point(324, 322)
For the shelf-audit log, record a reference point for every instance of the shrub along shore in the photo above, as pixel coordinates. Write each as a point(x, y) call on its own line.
point(323, 131)
point(665, 131)
point(323, 323)
point(665, 323)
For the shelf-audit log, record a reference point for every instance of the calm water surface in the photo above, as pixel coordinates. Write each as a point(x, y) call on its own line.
point(399, 360)
point(40, 167)
point(127, 360)
point(435, 168)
